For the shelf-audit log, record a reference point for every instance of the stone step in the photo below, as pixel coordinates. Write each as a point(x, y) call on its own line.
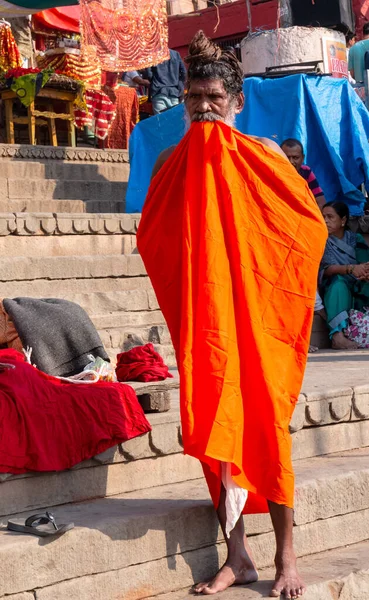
point(320, 334)
point(60, 189)
point(128, 467)
point(66, 288)
point(342, 573)
point(136, 465)
point(65, 171)
point(59, 162)
point(65, 267)
point(63, 206)
point(163, 529)
point(72, 246)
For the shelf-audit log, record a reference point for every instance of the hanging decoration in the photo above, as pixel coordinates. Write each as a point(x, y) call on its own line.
point(10, 57)
point(128, 34)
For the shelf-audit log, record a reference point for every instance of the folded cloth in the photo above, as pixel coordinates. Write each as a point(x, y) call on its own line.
point(141, 363)
point(51, 425)
point(60, 333)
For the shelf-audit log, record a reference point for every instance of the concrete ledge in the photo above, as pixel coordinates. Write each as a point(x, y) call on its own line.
point(37, 153)
point(42, 224)
point(156, 457)
point(21, 268)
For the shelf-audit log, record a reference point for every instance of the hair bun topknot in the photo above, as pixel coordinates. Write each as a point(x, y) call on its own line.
point(201, 49)
point(206, 60)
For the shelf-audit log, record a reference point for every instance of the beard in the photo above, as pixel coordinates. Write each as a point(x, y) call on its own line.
point(210, 117)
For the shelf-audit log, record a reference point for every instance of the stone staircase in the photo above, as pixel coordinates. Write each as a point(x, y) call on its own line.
point(144, 524)
point(71, 180)
point(90, 259)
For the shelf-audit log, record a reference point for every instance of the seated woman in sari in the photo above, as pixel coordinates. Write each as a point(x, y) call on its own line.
point(344, 274)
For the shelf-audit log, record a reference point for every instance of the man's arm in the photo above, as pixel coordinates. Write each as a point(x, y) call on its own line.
point(161, 160)
point(351, 62)
point(141, 81)
point(273, 145)
point(270, 144)
point(316, 190)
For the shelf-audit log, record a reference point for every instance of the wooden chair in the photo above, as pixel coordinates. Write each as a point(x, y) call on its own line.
point(37, 117)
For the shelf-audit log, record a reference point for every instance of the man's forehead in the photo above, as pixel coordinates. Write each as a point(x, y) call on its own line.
point(208, 85)
point(293, 149)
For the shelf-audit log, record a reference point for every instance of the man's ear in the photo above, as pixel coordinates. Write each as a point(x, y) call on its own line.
point(240, 102)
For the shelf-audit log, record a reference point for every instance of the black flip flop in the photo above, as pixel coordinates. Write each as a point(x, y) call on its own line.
point(32, 526)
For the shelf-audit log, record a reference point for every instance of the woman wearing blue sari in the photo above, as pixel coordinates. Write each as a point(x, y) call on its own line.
point(344, 273)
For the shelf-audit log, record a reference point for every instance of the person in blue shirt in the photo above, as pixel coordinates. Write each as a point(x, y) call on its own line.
point(357, 56)
point(167, 81)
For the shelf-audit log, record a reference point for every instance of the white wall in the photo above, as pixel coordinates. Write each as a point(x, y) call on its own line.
point(284, 46)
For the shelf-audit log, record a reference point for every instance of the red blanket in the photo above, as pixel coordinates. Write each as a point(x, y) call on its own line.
point(141, 363)
point(49, 425)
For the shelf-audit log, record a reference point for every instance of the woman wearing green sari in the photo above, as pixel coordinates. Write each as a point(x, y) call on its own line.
point(344, 273)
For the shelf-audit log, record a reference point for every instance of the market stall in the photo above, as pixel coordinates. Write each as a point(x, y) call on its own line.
point(57, 92)
point(45, 103)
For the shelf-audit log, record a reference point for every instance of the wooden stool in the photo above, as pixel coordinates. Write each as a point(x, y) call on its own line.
point(37, 117)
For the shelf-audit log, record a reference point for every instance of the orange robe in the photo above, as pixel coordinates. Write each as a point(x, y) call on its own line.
point(232, 238)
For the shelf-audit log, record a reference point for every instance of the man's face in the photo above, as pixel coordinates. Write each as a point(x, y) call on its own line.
point(207, 100)
point(294, 155)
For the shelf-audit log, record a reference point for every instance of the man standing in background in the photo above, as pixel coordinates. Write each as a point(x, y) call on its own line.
point(167, 82)
point(357, 56)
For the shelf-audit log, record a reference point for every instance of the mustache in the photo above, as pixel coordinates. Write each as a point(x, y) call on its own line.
point(205, 117)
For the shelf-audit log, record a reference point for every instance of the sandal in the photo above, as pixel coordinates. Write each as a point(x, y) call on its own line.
point(32, 526)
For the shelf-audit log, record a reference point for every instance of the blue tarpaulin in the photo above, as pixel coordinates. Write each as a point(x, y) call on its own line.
point(324, 113)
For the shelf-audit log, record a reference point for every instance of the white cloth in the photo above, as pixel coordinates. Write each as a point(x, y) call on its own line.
point(318, 303)
point(235, 498)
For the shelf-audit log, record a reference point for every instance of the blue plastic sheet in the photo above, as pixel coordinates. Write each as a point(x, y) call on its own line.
point(324, 113)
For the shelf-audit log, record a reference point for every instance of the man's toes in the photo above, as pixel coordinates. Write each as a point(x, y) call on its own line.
point(275, 593)
point(209, 591)
point(199, 588)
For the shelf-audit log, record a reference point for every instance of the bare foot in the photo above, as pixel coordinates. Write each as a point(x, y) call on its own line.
point(341, 342)
point(287, 580)
point(313, 349)
point(228, 575)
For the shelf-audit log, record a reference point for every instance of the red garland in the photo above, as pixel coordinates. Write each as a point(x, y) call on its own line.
point(19, 72)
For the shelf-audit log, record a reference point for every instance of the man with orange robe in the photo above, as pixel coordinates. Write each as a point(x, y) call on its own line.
point(232, 239)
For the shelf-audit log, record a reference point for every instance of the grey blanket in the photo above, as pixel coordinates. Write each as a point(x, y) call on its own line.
point(60, 333)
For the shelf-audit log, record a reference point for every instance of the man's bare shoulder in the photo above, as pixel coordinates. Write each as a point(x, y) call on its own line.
point(161, 160)
point(267, 142)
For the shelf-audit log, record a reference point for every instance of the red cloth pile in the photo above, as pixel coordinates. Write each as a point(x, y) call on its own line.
point(101, 113)
point(141, 364)
point(50, 425)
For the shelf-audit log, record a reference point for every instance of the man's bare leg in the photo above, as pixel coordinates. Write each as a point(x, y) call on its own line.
point(239, 567)
point(287, 582)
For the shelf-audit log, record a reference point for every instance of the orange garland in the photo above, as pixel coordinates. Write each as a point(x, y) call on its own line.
point(134, 37)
